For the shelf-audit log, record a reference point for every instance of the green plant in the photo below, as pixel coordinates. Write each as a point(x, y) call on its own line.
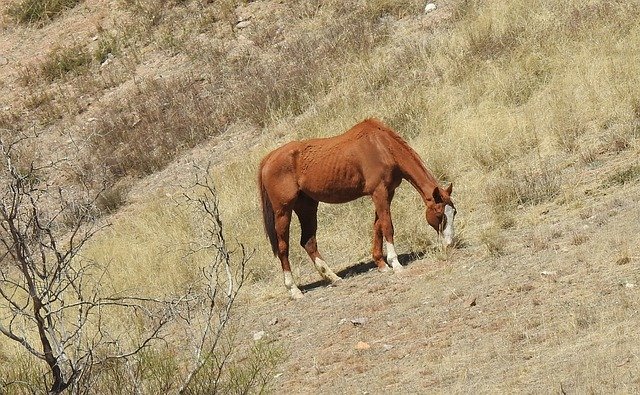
point(624, 176)
point(108, 44)
point(38, 11)
point(65, 60)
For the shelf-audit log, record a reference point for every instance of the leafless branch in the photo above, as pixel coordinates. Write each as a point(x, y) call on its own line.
point(44, 280)
point(224, 276)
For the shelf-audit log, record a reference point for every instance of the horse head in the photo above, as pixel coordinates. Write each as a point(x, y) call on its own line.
point(441, 212)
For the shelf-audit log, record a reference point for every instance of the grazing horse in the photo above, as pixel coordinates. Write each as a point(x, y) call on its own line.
point(368, 159)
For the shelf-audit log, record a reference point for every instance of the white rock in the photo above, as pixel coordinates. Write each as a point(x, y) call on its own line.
point(430, 7)
point(258, 335)
point(359, 321)
point(242, 24)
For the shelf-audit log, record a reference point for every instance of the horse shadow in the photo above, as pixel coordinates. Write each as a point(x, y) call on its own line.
point(360, 268)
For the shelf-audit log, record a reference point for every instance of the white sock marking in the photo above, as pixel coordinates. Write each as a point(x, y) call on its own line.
point(325, 271)
point(291, 286)
point(392, 257)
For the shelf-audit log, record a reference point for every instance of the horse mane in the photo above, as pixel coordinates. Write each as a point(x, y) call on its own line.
point(378, 124)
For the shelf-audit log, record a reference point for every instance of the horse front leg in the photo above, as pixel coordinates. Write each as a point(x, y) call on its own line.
point(377, 252)
point(383, 231)
point(282, 223)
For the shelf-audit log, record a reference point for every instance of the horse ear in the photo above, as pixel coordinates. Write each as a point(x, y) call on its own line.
point(437, 197)
point(450, 188)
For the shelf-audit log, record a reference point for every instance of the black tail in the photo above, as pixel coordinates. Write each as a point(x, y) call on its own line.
point(268, 217)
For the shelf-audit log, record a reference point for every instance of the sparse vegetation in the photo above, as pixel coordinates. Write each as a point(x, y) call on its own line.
point(38, 11)
point(64, 60)
point(529, 108)
point(624, 176)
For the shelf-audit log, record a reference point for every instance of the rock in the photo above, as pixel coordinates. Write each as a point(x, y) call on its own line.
point(273, 321)
point(387, 347)
point(3, 60)
point(242, 24)
point(430, 7)
point(258, 335)
point(471, 301)
point(359, 321)
point(108, 60)
point(363, 346)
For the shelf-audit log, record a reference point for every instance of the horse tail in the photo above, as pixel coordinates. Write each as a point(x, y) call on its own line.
point(268, 216)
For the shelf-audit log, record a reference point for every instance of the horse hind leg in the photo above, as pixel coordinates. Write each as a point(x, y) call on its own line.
point(307, 210)
point(282, 224)
point(321, 266)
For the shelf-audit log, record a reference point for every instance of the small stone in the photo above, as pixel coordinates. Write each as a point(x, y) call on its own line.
point(108, 60)
point(387, 347)
point(430, 7)
point(273, 321)
point(363, 346)
point(471, 301)
point(242, 24)
point(359, 321)
point(258, 335)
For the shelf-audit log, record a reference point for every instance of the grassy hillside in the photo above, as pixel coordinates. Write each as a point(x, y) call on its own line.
point(531, 109)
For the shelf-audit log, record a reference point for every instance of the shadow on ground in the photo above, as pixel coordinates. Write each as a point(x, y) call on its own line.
point(363, 267)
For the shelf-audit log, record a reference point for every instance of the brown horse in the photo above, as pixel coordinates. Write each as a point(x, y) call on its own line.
point(369, 159)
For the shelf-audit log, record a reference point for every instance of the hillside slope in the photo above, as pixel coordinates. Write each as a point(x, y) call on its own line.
point(531, 109)
point(554, 313)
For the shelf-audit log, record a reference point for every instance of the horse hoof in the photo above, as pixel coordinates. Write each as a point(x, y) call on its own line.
point(296, 294)
point(336, 282)
point(383, 269)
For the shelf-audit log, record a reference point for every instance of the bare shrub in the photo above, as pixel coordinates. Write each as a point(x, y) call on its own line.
point(145, 131)
point(53, 304)
point(212, 369)
point(523, 185)
point(624, 176)
point(493, 241)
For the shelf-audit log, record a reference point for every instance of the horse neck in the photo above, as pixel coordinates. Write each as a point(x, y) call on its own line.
point(414, 171)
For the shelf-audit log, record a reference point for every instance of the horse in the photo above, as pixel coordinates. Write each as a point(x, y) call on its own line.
point(368, 159)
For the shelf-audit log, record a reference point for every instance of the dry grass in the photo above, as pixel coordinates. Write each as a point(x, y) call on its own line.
point(531, 109)
point(38, 11)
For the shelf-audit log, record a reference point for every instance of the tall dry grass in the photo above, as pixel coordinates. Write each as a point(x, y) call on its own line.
point(500, 101)
point(503, 100)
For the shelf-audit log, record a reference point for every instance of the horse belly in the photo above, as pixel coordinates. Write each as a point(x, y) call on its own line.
point(334, 187)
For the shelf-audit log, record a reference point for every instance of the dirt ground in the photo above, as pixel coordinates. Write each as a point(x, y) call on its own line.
point(555, 313)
